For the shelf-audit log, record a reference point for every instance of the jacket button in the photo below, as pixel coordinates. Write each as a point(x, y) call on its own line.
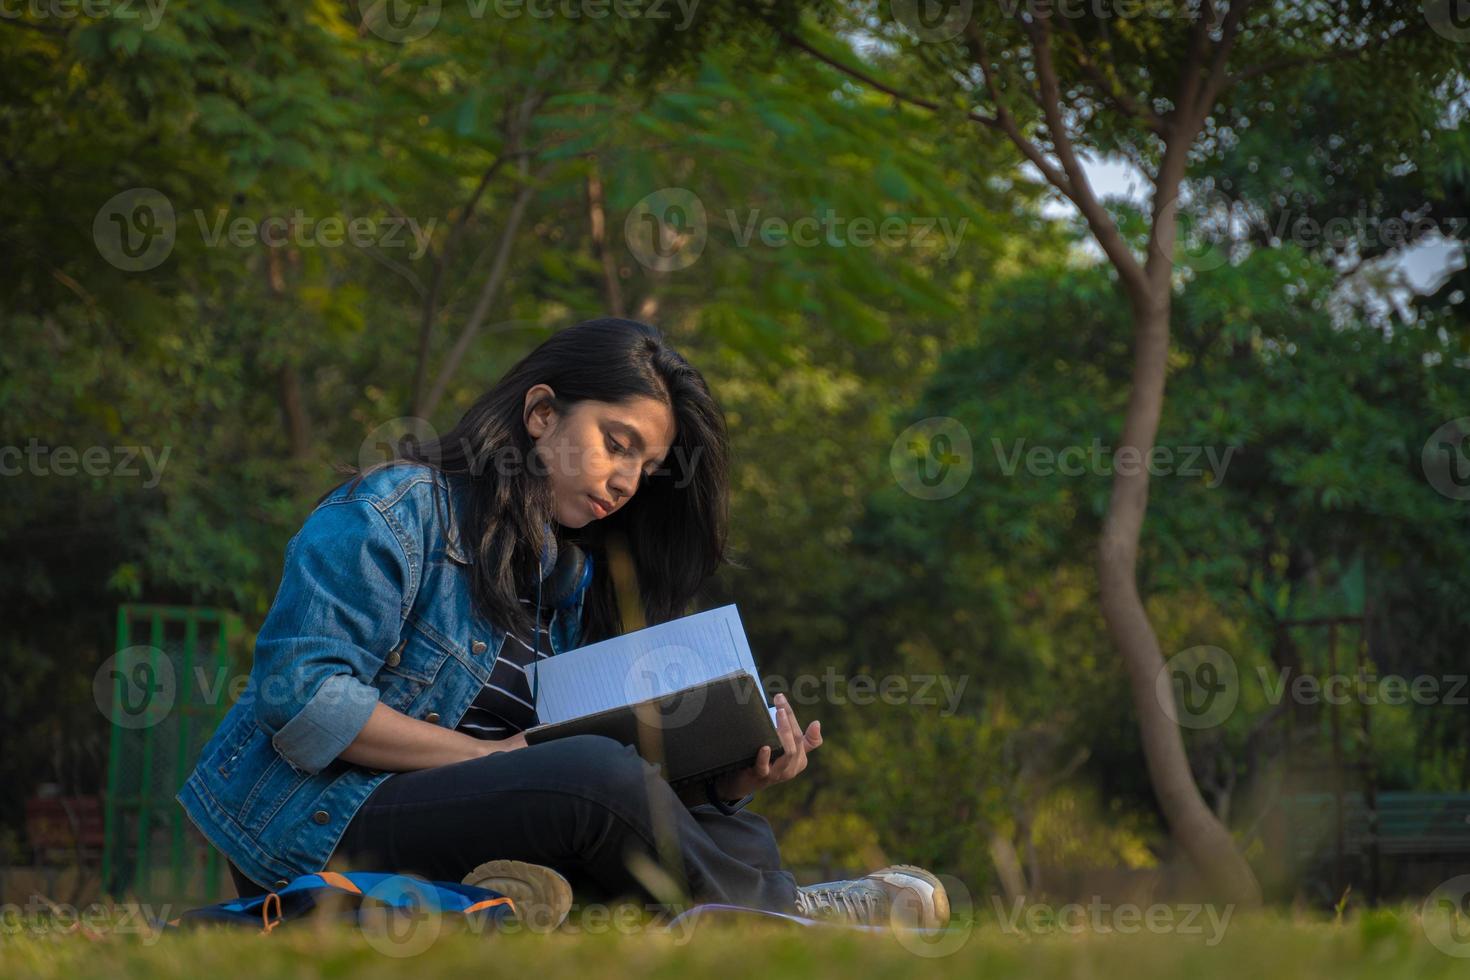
point(432, 717)
point(282, 883)
point(478, 646)
point(394, 658)
point(321, 816)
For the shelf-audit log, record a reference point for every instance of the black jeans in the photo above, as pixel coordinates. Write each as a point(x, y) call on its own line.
point(581, 805)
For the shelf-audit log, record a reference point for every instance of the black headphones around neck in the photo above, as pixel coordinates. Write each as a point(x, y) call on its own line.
point(569, 577)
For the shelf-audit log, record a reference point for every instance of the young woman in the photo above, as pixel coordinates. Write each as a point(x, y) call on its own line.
point(381, 725)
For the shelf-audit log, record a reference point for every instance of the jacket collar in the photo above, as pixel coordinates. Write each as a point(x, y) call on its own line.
point(457, 506)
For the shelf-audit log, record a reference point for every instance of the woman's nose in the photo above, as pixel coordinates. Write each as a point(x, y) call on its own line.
point(621, 484)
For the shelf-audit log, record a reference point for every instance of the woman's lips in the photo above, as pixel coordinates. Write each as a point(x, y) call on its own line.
point(598, 507)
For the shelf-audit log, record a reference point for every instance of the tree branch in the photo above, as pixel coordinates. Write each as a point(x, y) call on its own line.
point(398, 267)
point(1104, 228)
point(1189, 80)
point(1214, 81)
point(1282, 64)
point(872, 82)
point(597, 226)
point(430, 309)
point(1007, 121)
point(1196, 98)
point(488, 294)
point(516, 133)
point(1114, 93)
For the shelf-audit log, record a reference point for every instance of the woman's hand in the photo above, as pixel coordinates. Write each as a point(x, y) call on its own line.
point(392, 741)
point(734, 785)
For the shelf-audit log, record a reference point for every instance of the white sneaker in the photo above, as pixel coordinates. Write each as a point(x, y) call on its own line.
point(900, 895)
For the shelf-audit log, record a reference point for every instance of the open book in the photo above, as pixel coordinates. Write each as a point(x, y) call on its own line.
point(685, 693)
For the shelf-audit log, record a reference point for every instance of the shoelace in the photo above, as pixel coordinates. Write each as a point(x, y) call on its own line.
point(845, 901)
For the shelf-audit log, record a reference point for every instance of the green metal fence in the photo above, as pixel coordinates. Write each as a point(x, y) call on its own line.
point(172, 679)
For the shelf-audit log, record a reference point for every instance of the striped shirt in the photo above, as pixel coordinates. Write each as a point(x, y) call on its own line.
point(503, 707)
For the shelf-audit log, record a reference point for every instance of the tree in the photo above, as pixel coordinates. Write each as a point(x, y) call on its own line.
point(1169, 92)
point(1312, 419)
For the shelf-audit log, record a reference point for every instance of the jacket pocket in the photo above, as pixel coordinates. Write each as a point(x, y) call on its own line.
point(248, 777)
point(223, 760)
point(417, 658)
point(271, 790)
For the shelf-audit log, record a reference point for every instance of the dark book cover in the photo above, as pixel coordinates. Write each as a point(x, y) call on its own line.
point(692, 734)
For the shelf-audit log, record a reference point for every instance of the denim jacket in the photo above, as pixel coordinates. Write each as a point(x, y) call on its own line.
point(374, 605)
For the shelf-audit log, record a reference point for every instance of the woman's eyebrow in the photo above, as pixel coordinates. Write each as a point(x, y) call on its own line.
point(634, 436)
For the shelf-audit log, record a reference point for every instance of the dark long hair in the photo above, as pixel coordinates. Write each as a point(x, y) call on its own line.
point(675, 525)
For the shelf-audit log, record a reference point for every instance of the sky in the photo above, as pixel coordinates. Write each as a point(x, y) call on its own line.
point(1423, 265)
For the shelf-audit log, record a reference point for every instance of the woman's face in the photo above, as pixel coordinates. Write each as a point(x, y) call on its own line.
point(598, 452)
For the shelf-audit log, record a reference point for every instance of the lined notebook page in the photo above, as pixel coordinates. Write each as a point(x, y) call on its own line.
point(644, 664)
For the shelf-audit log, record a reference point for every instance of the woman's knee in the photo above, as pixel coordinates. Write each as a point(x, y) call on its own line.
point(605, 763)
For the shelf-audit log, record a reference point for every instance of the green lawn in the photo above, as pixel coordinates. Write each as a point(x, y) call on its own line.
point(1380, 944)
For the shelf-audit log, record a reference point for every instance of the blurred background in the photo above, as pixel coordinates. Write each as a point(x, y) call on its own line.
point(935, 261)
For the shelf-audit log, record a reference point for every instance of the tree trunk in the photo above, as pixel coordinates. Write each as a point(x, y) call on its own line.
point(293, 411)
point(1007, 866)
point(1203, 838)
point(597, 221)
point(294, 418)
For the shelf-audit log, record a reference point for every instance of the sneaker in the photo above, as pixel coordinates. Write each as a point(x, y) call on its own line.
point(900, 895)
point(541, 896)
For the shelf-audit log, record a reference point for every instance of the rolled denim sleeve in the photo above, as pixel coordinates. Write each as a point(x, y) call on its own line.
point(349, 579)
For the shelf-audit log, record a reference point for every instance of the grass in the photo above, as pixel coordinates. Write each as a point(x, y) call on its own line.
point(1382, 944)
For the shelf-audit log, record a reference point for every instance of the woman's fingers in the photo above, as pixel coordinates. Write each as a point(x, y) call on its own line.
point(783, 725)
point(794, 746)
point(794, 761)
point(799, 762)
point(813, 735)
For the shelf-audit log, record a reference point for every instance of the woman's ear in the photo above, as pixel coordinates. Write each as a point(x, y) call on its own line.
point(537, 411)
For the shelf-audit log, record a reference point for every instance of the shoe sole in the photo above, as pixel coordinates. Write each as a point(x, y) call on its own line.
point(542, 897)
point(939, 895)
